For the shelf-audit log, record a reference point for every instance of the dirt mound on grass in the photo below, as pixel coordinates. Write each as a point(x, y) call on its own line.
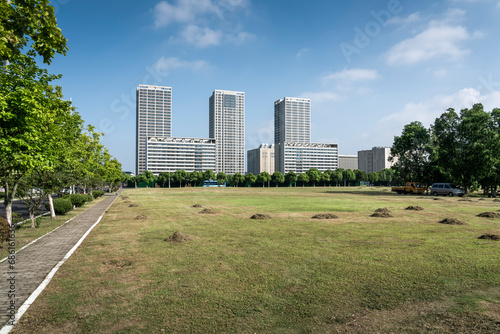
point(489, 215)
point(453, 221)
point(489, 236)
point(415, 208)
point(208, 211)
point(134, 206)
point(260, 216)
point(465, 200)
point(197, 206)
point(124, 197)
point(496, 200)
point(325, 216)
point(382, 214)
point(179, 237)
point(139, 217)
point(438, 199)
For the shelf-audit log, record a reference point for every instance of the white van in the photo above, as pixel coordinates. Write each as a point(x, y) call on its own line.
point(446, 189)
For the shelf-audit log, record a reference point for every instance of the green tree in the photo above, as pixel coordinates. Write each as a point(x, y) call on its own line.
point(195, 177)
point(264, 178)
point(147, 177)
point(290, 178)
point(277, 178)
point(337, 176)
point(165, 177)
point(348, 176)
point(304, 178)
point(250, 179)
point(326, 177)
point(411, 152)
point(32, 197)
point(208, 175)
point(238, 178)
point(314, 176)
point(180, 175)
point(361, 175)
point(221, 177)
point(29, 20)
point(372, 177)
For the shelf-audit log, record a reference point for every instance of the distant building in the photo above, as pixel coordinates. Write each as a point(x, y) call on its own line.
point(261, 160)
point(153, 119)
point(374, 160)
point(294, 151)
point(300, 157)
point(348, 162)
point(227, 127)
point(169, 154)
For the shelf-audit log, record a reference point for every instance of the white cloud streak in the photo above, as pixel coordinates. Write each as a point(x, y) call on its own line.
point(166, 65)
point(355, 74)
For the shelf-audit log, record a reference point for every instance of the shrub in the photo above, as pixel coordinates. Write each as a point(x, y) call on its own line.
point(2, 194)
point(61, 206)
point(90, 198)
point(78, 199)
point(97, 193)
point(4, 229)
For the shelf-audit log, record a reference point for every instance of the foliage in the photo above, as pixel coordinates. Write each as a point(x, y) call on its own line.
point(221, 177)
point(147, 177)
point(97, 193)
point(78, 199)
point(263, 178)
point(277, 178)
point(290, 178)
point(208, 175)
point(250, 179)
point(238, 178)
point(304, 178)
point(314, 175)
point(4, 230)
point(61, 206)
point(180, 175)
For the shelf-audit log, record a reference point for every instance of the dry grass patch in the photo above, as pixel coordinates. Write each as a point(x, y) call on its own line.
point(208, 211)
point(197, 206)
point(134, 206)
point(140, 217)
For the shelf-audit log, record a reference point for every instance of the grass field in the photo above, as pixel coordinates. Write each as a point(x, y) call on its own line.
point(288, 274)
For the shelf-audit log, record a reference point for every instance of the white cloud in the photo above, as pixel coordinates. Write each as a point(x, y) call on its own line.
point(320, 97)
point(302, 52)
point(435, 42)
point(167, 64)
point(412, 18)
point(184, 11)
point(240, 37)
point(201, 37)
point(355, 74)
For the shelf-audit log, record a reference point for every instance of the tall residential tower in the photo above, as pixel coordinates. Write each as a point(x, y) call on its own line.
point(154, 119)
point(227, 127)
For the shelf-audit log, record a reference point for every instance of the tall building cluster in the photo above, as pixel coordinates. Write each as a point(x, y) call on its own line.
point(224, 151)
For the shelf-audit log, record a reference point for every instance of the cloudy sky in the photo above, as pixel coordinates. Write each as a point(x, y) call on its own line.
point(369, 67)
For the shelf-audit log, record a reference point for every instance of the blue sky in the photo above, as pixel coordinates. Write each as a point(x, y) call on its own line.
point(369, 67)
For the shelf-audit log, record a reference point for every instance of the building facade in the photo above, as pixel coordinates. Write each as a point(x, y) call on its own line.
point(348, 162)
point(261, 159)
point(300, 157)
point(374, 160)
point(227, 127)
point(169, 154)
point(153, 119)
point(294, 151)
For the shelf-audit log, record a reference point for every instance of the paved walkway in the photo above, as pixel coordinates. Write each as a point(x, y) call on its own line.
point(33, 263)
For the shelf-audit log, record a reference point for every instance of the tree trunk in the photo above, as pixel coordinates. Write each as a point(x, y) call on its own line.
point(32, 217)
point(51, 206)
point(169, 183)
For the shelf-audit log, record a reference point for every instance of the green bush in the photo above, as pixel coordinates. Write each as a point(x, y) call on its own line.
point(61, 206)
point(78, 199)
point(97, 193)
point(90, 198)
point(2, 194)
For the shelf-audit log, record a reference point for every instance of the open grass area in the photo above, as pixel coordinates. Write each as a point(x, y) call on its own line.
point(25, 234)
point(288, 274)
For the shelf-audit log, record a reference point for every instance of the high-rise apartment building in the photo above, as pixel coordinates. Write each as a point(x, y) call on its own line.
point(294, 151)
point(227, 127)
point(153, 119)
point(374, 160)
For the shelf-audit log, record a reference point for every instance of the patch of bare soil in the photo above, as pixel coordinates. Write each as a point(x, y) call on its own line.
point(383, 210)
point(139, 217)
point(489, 215)
point(179, 237)
point(437, 199)
point(260, 216)
point(124, 197)
point(208, 211)
point(197, 206)
point(453, 221)
point(415, 208)
point(489, 236)
point(496, 200)
point(465, 200)
point(382, 213)
point(325, 216)
point(127, 202)
point(134, 206)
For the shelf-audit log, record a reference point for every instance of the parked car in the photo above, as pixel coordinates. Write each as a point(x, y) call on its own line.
point(446, 189)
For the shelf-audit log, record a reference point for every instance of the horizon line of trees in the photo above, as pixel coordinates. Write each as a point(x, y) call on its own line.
point(338, 177)
point(463, 148)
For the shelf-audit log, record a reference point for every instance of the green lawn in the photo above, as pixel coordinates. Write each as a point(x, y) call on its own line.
point(287, 274)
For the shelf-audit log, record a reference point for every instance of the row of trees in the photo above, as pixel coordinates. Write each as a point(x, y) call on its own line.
point(313, 176)
point(463, 148)
point(43, 141)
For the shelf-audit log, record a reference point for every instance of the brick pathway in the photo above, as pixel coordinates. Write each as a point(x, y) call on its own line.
point(33, 263)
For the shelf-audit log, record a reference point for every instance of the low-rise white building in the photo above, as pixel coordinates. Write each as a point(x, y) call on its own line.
point(300, 157)
point(169, 154)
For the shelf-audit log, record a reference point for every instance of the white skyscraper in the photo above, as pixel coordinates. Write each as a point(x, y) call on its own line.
point(227, 127)
point(154, 119)
point(292, 120)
